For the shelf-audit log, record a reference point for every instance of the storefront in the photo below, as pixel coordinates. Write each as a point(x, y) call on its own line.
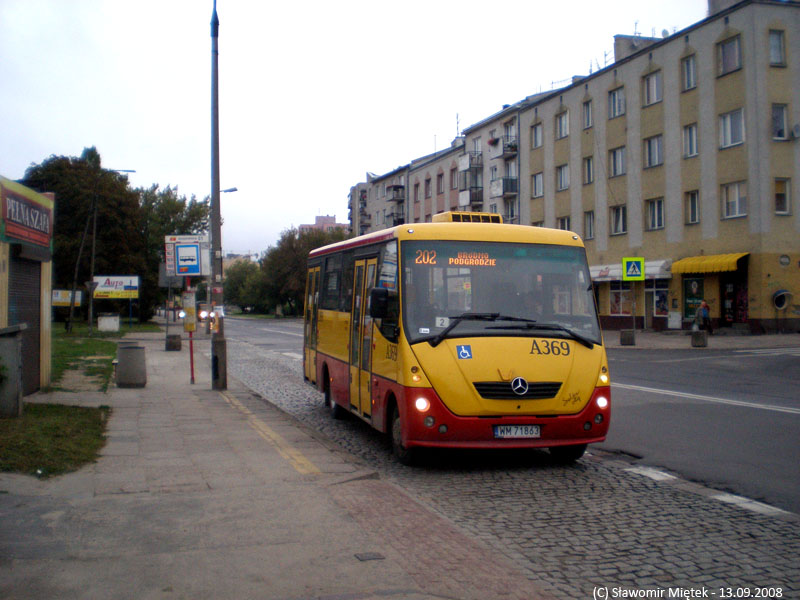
point(617, 300)
point(720, 280)
point(26, 235)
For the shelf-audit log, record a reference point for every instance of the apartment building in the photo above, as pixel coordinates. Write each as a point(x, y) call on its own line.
point(683, 152)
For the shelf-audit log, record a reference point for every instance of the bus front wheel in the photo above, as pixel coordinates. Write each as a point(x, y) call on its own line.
point(404, 455)
point(567, 454)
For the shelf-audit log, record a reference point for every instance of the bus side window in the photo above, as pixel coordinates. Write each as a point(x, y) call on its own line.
point(387, 279)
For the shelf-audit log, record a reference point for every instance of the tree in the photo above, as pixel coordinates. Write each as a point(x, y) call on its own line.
point(131, 223)
point(285, 265)
point(236, 276)
point(77, 182)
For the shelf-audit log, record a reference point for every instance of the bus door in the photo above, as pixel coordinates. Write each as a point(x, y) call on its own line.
point(310, 326)
point(361, 337)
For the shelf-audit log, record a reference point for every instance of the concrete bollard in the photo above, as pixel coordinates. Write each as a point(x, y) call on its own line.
point(131, 367)
point(699, 339)
point(627, 337)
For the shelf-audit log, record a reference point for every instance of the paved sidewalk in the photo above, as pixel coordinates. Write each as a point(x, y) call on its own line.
point(202, 494)
point(721, 340)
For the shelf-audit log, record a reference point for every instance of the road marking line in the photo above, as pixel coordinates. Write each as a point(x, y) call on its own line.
point(773, 407)
point(752, 505)
point(296, 458)
point(280, 331)
point(651, 473)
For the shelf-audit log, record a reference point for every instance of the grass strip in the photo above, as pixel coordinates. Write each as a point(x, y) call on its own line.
point(52, 439)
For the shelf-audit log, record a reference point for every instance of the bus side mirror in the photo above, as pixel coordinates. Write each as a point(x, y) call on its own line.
point(379, 303)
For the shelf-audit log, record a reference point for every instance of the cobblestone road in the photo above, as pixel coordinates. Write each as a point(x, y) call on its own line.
point(600, 523)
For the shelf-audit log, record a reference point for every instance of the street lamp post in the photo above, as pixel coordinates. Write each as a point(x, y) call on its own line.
point(219, 352)
point(209, 282)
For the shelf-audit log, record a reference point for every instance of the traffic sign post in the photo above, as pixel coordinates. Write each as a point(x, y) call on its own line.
point(633, 270)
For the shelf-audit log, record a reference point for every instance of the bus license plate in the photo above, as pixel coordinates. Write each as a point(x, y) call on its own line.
point(516, 431)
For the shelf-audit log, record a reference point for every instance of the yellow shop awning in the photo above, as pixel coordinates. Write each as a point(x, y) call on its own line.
point(713, 263)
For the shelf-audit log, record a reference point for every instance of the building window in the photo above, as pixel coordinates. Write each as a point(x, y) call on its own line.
point(779, 126)
point(620, 298)
point(588, 119)
point(562, 125)
point(692, 206)
point(619, 219)
point(453, 178)
point(731, 129)
point(563, 223)
point(616, 162)
point(428, 187)
point(440, 183)
point(689, 72)
point(783, 199)
point(536, 136)
point(537, 224)
point(651, 88)
point(588, 170)
point(616, 103)
point(588, 225)
point(537, 185)
point(416, 192)
point(653, 151)
point(729, 56)
point(777, 52)
point(734, 199)
point(655, 214)
point(562, 177)
point(690, 140)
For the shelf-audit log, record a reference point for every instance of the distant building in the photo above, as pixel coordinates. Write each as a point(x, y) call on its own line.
point(682, 151)
point(325, 223)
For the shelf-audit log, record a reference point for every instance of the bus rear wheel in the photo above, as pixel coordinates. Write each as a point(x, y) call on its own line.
point(405, 456)
point(566, 455)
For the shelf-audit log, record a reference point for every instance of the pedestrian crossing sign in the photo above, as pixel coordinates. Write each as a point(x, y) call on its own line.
point(633, 269)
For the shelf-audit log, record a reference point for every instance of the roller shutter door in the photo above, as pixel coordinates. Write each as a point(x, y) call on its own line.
point(24, 293)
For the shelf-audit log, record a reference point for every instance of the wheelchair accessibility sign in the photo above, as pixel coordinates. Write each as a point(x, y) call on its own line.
point(464, 352)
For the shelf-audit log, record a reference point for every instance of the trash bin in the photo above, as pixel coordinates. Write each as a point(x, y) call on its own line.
point(108, 322)
point(131, 367)
point(627, 337)
point(173, 342)
point(699, 339)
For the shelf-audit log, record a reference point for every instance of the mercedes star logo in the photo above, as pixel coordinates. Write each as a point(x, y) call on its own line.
point(519, 386)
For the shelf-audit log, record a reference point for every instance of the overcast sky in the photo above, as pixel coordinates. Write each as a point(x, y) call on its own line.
point(312, 94)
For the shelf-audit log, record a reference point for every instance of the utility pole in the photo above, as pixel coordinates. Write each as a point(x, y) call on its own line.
point(219, 351)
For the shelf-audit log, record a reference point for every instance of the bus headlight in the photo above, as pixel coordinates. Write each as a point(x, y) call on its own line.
point(181, 314)
point(602, 402)
point(422, 404)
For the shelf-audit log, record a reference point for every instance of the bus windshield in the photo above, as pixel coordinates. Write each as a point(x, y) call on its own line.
point(461, 289)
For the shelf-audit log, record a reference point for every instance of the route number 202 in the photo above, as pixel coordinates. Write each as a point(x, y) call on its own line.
point(425, 257)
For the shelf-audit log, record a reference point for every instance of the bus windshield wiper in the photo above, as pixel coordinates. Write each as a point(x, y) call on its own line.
point(467, 316)
point(527, 324)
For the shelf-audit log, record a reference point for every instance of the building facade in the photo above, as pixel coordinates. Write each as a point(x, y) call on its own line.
point(683, 152)
point(26, 274)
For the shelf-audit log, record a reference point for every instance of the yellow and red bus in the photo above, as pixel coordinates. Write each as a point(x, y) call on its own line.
point(460, 333)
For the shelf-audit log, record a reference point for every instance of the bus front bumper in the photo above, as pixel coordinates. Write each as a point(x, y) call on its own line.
point(436, 426)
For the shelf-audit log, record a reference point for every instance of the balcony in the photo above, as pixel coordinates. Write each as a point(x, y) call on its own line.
point(395, 218)
point(505, 187)
point(470, 197)
point(504, 146)
point(470, 160)
point(395, 193)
